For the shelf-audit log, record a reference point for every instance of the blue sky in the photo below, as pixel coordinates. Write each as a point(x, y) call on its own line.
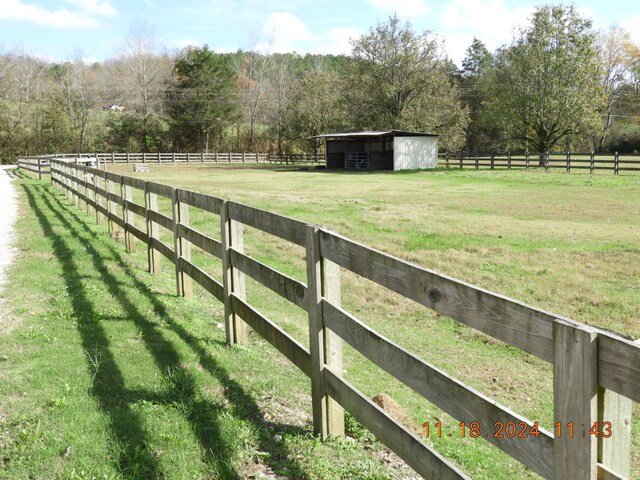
point(96, 29)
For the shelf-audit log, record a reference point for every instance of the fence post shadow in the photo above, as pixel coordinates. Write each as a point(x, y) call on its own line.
point(234, 393)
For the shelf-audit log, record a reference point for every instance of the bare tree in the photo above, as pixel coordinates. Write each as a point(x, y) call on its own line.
point(144, 71)
point(252, 70)
point(614, 48)
point(77, 92)
point(28, 72)
point(279, 92)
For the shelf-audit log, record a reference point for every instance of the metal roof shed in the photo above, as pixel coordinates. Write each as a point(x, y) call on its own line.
point(381, 150)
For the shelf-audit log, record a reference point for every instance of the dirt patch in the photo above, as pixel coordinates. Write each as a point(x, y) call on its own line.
point(9, 201)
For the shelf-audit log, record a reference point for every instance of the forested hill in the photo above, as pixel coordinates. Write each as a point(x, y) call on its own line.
point(538, 93)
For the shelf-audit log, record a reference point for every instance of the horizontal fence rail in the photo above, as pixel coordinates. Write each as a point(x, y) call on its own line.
point(173, 158)
point(613, 162)
point(596, 373)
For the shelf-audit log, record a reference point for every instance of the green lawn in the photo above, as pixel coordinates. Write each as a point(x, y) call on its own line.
point(104, 359)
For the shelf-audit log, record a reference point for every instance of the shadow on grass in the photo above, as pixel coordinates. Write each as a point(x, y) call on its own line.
point(135, 461)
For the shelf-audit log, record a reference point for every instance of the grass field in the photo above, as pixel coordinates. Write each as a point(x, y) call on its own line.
point(144, 387)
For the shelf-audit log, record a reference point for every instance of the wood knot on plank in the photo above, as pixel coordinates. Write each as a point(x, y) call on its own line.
point(435, 295)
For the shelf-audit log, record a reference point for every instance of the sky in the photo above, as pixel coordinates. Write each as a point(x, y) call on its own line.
point(95, 30)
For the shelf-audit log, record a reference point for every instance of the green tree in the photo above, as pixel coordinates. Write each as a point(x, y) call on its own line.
point(476, 73)
point(317, 107)
point(202, 101)
point(548, 81)
point(398, 79)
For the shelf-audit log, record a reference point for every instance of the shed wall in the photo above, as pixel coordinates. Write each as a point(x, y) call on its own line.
point(415, 152)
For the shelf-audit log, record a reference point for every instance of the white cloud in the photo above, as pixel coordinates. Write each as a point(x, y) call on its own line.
point(404, 8)
point(95, 7)
point(181, 43)
point(632, 25)
point(489, 20)
point(283, 30)
point(336, 41)
point(60, 18)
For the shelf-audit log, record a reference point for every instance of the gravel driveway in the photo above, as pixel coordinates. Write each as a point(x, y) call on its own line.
point(8, 213)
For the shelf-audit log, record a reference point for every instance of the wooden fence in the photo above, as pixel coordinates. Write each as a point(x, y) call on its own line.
point(596, 373)
point(564, 161)
point(171, 158)
point(38, 165)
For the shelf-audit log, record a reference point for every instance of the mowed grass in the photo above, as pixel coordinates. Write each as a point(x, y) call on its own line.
point(105, 373)
point(567, 243)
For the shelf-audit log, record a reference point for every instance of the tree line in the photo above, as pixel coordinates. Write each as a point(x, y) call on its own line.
point(559, 85)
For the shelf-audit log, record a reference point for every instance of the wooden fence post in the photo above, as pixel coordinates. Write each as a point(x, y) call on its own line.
point(97, 183)
point(493, 159)
point(182, 247)
point(39, 169)
point(527, 161)
point(592, 163)
point(110, 205)
point(575, 386)
point(615, 452)
point(88, 187)
point(446, 160)
point(233, 280)
point(568, 168)
point(509, 161)
point(461, 157)
point(153, 231)
point(477, 162)
point(325, 347)
point(76, 186)
point(127, 217)
point(546, 161)
point(616, 164)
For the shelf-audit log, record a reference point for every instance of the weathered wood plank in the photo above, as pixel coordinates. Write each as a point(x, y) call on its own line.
point(115, 198)
point(205, 280)
point(277, 225)
point(333, 343)
point(161, 219)
point(127, 217)
point(135, 208)
point(575, 390)
point(232, 236)
point(200, 240)
point(316, 333)
point(619, 365)
point(136, 232)
point(422, 458)
point(134, 182)
point(200, 200)
point(153, 256)
point(115, 219)
point(606, 474)
point(616, 411)
point(439, 388)
point(164, 249)
point(285, 286)
point(113, 177)
point(508, 320)
point(282, 341)
point(102, 192)
point(160, 189)
point(182, 248)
